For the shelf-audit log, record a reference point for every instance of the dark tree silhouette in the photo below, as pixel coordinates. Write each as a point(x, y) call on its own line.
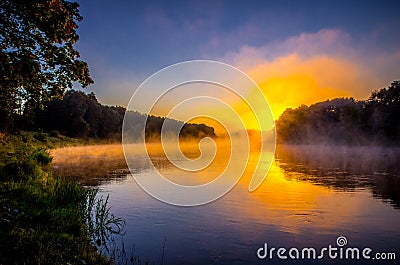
point(38, 60)
point(81, 115)
point(383, 108)
point(345, 121)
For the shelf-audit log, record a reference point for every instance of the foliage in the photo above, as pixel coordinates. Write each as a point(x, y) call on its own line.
point(39, 227)
point(24, 163)
point(54, 134)
point(40, 136)
point(43, 219)
point(37, 57)
point(81, 115)
point(345, 121)
point(154, 126)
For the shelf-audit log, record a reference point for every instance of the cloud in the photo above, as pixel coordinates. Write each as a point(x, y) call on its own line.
point(328, 42)
point(313, 67)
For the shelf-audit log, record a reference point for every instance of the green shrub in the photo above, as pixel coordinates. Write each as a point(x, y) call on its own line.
point(49, 220)
point(25, 163)
point(26, 138)
point(69, 193)
point(20, 170)
point(55, 134)
point(42, 156)
point(40, 136)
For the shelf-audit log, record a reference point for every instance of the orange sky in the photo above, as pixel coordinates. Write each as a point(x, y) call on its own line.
point(310, 68)
point(313, 67)
point(302, 69)
point(291, 81)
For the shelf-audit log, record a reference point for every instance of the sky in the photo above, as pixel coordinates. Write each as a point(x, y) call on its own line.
point(298, 52)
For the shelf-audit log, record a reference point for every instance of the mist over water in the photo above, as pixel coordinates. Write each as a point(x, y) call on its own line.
point(310, 197)
point(375, 168)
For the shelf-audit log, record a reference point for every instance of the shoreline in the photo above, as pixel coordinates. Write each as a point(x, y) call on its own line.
point(43, 217)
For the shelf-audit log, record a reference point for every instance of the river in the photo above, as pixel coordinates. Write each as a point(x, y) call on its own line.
point(311, 196)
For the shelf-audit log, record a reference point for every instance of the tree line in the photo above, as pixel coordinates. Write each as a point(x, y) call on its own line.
point(81, 115)
point(345, 120)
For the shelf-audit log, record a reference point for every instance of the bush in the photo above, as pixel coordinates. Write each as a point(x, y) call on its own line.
point(55, 134)
point(42, 156)
point(48, 220)
point(20, 170)
point(25, 163)
point(42, 137)
point(70, 193)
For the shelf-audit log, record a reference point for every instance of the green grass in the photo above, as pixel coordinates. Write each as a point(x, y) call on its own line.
point(49, 140)
point(46, 219)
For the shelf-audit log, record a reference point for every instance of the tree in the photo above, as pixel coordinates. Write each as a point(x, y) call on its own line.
point(38, 61)
point(384, 108)
point(345, 120)
point(389, 96)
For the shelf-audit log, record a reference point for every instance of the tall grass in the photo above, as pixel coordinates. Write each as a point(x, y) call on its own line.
point(46, 219)
point(102, 224)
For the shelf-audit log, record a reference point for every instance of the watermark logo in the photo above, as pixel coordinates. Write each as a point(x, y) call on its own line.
point(338, 251)
point(196, 90)
point(341, 241)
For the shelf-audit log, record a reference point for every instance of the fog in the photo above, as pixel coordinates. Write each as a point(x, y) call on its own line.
point(344, 167)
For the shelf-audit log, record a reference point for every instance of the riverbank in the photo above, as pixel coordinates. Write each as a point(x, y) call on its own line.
point(44, 219)
point(50, 140)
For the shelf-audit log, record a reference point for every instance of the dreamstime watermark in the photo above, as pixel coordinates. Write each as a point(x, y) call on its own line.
point(338, 251)
point(200, 89)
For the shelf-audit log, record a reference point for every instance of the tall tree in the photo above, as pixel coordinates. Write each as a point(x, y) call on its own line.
point(38, 60)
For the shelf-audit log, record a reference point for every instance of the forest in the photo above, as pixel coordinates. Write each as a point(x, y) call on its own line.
point(80, 115)
point(345, 120)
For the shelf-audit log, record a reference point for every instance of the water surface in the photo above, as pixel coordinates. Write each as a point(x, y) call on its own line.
point(311, 196)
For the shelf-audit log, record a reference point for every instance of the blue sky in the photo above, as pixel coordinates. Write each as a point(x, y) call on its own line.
point(124, 42)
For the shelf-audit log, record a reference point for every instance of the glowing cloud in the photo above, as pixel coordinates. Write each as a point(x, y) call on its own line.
point(313, 67)
point(291, 81)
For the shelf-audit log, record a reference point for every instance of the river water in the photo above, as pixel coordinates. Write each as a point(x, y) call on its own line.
point(311, 196)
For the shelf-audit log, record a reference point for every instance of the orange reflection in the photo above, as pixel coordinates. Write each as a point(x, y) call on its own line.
point(295, 205)
point(283, 200)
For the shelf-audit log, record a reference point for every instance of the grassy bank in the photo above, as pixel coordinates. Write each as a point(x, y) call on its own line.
point(49, 140)
point(45, 219)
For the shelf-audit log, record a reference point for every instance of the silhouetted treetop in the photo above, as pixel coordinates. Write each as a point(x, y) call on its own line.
point(345, 120)
point(389, 96)
point(80, 115)
point(38, 59)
